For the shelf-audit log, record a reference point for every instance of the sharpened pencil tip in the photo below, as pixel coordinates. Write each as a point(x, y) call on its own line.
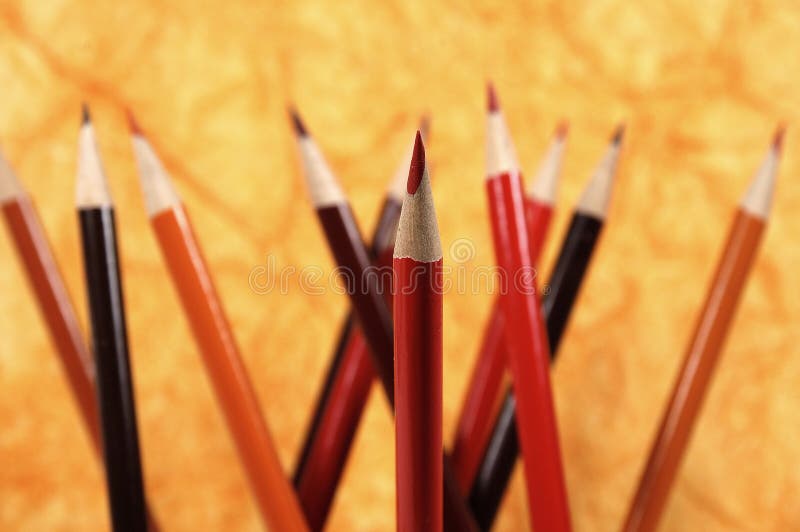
point(562, 129)
point(417, 169)
point(616, 138)
point(780, 133)
point(133, 125)
point(491, 97)
point(85, 117)
point(297, 122)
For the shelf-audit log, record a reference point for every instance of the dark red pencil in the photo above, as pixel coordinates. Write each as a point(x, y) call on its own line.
point(525, 337)
point(418, 355)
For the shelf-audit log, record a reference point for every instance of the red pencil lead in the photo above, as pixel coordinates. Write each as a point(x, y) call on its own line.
point(133, 125)
point(780, 133)
point(618, 134)
point(417, 169)
point(297, 122)
point(493, 103)
point(562, 129)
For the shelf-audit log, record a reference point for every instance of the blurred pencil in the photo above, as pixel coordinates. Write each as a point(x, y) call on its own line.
point(484, 390)
point(705, 347)
point(576, 251)
point(273, 492)
point(525, 339)
point(109, 338)
point(418, 355)
point(349, 379)
point(350, 253)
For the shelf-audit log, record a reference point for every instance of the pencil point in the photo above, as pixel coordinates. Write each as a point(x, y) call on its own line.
point(85, 118)
point(297, 122)
point(618, 134)
point(491, 96)
point(133, 125)
point(562, 129)
point(417, 169)
point(780, 133)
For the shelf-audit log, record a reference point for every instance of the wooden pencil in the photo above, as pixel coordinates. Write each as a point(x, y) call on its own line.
point(109, 338)
point(705, 347)
point(576, 251)
point(51, 294)
point(525, 338)
point(349, 380)
point(485, 386)
point(418, 355)
point(273, 491)
point(350, 253)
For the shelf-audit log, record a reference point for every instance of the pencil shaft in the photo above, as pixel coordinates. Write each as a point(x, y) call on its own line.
point(114, 383)
point(695, 375)
point(502, 451)
point(273, 492)
point(418, 395)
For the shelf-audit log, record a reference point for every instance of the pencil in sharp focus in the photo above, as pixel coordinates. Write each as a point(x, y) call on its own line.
point(501, 451)
point(418, 355)
point(526, 341)
point(274, 495)
point(349, 379)
point(485, 386)
point(730, 278)
point(109, 338)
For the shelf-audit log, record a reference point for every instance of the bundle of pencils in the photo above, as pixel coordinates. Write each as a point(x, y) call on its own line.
point(393, 334)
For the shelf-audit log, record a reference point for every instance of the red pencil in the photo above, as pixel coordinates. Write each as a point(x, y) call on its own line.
point(486, 384)
point(526, 340)
point(418, 355)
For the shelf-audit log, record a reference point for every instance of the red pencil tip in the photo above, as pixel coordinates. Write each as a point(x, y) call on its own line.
point(133, 125)
point(297, 122)
point(417, 169)
point(780, 133)
point(616, 138)
point(491, 95)
point(562, 129)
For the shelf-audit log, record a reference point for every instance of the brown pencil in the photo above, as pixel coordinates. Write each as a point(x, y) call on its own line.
point(273, 491)
point(704, 349)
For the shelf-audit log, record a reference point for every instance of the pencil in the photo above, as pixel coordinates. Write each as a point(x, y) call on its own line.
point(347, 245)
point(418, 355)
point(484, 390)
point(349, 380)
point(51, 294)
point(570, 268)
point(704, 349)
point(273, 491)
point(525, 339)
point(109, 338)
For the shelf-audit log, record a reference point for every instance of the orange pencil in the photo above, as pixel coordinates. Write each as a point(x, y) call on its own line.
point(705, 347)
point(274, 495)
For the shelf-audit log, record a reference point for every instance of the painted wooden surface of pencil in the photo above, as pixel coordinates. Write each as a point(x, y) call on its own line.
point(526, 341)
point(704, 349)
point(348, 383)
point(502, 450)
point(483, 393)
point(274, 495)
point(418, 355)
point(54, 302)
point(109, 339)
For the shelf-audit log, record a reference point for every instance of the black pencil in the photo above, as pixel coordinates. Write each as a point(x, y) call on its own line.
point(109, 339)
point(579, 243)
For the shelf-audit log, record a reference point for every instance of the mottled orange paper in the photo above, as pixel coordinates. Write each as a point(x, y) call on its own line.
point(701, 85)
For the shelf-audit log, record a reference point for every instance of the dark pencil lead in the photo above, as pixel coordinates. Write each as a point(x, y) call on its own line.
point(297, 122)
point(85, 118)
point(133, 125)
point(780, 133)
point(616, 139)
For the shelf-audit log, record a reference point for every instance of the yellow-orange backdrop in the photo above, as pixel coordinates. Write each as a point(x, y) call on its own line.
point(701, 85)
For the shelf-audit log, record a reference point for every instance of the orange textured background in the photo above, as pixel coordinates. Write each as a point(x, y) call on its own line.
point(701, 84)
